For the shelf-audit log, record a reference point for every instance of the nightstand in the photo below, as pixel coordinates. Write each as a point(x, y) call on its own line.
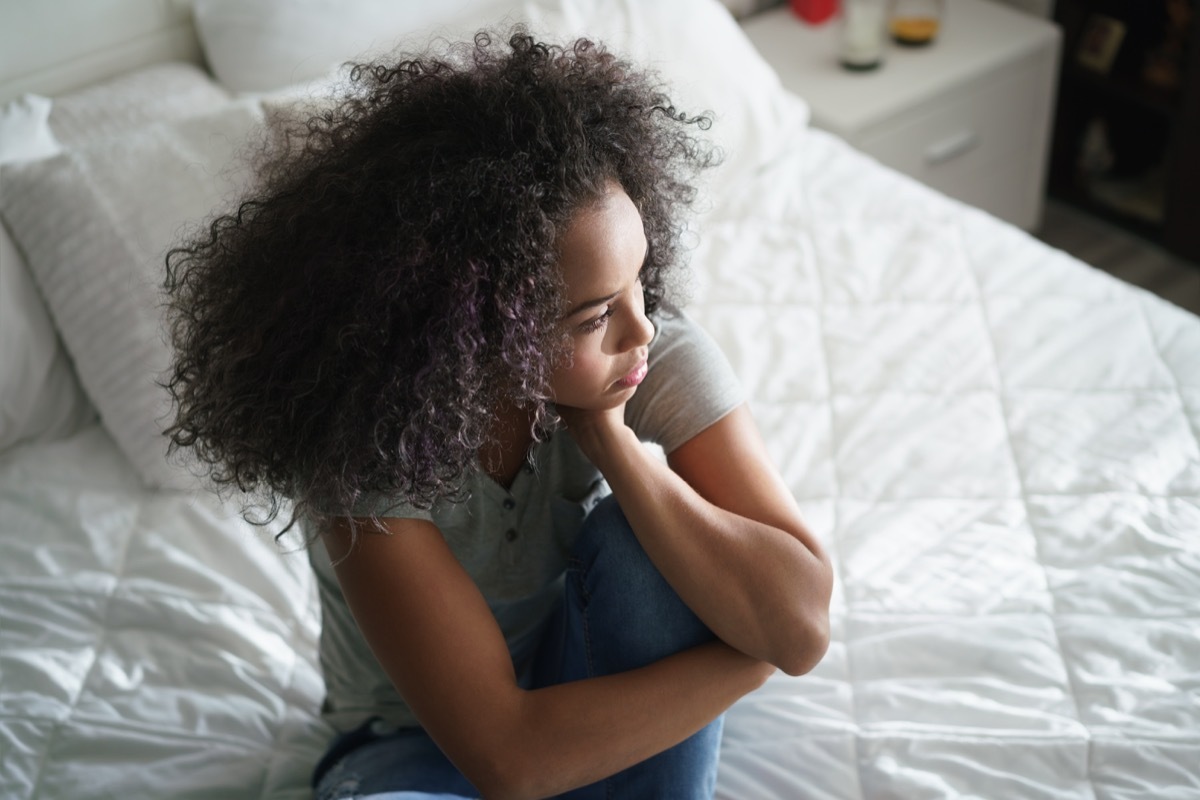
point(968, 115)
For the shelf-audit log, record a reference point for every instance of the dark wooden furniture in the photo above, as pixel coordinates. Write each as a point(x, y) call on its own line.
point(1126, 142)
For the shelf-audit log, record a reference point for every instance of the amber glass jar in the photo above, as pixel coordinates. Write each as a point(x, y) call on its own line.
point(915, 23)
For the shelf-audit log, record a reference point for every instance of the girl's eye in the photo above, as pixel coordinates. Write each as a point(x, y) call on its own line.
point(599, 322)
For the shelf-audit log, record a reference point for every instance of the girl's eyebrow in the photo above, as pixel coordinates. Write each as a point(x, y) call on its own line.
point(584, 306)
point(599, 301)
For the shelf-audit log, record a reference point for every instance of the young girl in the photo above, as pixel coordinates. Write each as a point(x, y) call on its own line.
point(439, 330)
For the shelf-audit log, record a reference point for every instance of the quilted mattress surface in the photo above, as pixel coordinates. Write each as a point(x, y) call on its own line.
point(998, 443)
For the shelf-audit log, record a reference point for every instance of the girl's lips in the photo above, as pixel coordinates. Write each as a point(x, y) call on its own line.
point(636, 376)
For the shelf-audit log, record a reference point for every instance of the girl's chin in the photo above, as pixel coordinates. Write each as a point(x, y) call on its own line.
point(615, 395)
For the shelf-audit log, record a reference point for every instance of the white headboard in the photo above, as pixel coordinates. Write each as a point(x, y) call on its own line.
point(53, 47)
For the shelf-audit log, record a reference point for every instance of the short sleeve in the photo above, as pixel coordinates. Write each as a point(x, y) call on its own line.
point(689, 386)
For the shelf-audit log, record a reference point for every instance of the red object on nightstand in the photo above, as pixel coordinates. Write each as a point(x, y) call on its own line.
point(814, 12)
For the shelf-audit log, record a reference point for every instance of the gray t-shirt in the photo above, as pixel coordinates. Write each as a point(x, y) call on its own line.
point(514, 542)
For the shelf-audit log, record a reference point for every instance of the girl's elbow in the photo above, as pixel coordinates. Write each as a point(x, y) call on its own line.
point(513, 782)
point(809, 639)
point(495, 779)
point(506, 767)
point(489, 762)
point(807, 646)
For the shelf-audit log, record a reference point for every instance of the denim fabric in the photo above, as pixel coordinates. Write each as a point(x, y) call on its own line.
point(389, 765)
point(617, 614)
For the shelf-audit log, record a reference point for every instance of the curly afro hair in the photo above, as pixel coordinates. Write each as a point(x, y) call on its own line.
point(352, 327)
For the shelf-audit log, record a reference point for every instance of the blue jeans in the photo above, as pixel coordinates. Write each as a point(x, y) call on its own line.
point(617, 614)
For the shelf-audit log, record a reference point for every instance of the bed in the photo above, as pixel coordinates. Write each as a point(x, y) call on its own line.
point(999, 444)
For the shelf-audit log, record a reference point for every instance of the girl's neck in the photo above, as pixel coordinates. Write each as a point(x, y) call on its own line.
point(508, 444)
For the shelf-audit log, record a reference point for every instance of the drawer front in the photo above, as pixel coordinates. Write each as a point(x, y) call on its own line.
point(1006, 187)
point(945, 142)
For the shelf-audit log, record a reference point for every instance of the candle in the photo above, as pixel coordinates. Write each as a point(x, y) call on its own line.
point(863, 32)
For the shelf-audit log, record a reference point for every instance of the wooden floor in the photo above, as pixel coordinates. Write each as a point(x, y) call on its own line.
point(1122, 254)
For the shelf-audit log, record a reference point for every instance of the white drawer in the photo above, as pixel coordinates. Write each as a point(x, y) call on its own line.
point(1006, 187)
point(946, 142)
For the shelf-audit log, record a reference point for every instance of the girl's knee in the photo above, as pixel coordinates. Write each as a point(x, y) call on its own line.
point(607, 535)
point(630, 606)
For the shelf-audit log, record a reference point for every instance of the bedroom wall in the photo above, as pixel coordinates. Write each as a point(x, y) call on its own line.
point(91, 41)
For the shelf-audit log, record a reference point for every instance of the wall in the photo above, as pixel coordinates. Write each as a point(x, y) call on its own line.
point(49, 47)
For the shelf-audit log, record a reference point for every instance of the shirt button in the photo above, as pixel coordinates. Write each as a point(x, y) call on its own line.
point(510, 535)
point(509, 503)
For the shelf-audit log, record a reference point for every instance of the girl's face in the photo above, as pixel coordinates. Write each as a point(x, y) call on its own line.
point(602, 253)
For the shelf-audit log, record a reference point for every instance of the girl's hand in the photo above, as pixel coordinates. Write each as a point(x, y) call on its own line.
point(596, 432)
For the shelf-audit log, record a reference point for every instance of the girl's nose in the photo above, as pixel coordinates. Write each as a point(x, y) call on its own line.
point(639, 330)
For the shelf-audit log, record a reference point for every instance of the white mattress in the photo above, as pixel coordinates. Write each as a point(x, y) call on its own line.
point(999, 444)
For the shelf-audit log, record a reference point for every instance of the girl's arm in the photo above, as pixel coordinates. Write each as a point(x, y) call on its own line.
point(722, 528)
point(436, 638)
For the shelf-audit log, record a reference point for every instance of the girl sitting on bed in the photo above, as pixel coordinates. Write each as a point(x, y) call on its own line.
point(439, 329)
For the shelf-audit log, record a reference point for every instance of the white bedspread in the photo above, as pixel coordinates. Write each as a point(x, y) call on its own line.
point(999, 444)
point(152, 644)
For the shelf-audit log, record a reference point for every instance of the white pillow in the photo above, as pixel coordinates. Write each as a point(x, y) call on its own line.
point(268, 45)
point(40, 397)
point(95, 224)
